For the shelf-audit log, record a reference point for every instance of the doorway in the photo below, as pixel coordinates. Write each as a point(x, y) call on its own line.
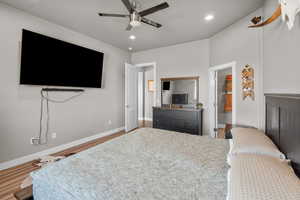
point(145, 96)
point(222, 108)
point(140, 95)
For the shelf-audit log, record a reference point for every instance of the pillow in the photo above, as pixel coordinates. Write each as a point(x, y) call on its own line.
point(258, 177)
point(230, 149)
point(253, 141)
point(244, 131)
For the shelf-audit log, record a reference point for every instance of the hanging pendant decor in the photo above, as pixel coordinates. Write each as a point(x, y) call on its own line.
point(248, 82)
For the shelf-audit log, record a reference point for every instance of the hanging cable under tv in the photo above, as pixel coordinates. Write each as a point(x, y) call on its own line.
point(43, 132)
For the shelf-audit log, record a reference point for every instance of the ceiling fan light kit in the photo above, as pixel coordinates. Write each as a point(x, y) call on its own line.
point(137, 18)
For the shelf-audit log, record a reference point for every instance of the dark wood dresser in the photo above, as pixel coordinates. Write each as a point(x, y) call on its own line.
point(179, 120)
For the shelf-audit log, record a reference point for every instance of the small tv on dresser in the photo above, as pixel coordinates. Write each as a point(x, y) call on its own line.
point(47, 61)
point(180, 99)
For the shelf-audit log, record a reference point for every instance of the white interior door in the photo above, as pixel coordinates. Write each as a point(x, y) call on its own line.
point(131, 97)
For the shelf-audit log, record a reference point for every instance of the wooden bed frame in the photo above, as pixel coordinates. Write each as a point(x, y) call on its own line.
point(283, 125)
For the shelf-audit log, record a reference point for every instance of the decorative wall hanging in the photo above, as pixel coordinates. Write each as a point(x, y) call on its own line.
point(288, 9)
point(248, 82)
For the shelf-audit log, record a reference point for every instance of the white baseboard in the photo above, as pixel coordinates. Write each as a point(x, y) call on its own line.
point(28, 158)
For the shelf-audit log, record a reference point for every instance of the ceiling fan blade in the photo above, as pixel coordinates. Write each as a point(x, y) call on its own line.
point(112, 15)
point(151, 23)
point(128, 5)
point(129, 27)
point(154, 9)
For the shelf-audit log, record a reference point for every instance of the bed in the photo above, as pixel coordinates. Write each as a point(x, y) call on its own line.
point(145, 164)
point(157, 164)
point(282, 125)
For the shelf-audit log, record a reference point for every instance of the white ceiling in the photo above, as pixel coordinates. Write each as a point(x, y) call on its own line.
point(183, 21)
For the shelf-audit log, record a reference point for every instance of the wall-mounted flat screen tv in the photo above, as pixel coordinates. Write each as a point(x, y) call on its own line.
point(47, 61)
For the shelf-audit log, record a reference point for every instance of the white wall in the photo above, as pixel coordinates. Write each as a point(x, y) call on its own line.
point(243, 45)
point(281, 54)
point(189, 59)
point(20, 105)
point(235, 43)
point(272, 51)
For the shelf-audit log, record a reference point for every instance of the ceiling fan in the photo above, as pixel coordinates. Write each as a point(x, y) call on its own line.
point(136, 18)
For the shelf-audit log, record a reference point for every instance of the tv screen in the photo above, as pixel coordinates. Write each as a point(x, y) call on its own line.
point(50, 62)
point(180, 99)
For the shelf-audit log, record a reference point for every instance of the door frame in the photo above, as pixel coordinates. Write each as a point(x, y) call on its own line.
point(155, 78)
point(212, 94)
point(155, 84)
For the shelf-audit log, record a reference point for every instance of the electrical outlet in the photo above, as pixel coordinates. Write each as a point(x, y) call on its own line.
point(53, 135)
point(34, 141)
point(109, 122)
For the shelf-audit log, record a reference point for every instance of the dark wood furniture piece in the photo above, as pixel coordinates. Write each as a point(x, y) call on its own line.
point(178, 119)
point(283, 125)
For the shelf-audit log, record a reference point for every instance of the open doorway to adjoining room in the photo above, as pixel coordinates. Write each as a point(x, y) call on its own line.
point(145, 95)
point(222, 109)
point(140, 95)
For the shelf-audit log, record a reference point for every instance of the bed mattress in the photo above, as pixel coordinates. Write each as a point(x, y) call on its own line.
point(145, 164)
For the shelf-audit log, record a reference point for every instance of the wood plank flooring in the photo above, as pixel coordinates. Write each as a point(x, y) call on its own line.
point(11, 179)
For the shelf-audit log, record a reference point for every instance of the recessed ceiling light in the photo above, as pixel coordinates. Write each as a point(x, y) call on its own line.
point(130, 48)
point(132, 37)
point(209, 17)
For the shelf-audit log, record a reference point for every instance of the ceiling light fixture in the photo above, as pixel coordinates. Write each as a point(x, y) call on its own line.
point(132, 37)
point(209, 17)
point(135, 19)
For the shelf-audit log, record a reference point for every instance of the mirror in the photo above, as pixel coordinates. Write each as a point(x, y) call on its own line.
point(180, 92)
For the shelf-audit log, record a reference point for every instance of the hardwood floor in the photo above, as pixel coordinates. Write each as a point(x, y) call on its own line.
point(144, 123)
point(221, 133)
point(11, 179)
